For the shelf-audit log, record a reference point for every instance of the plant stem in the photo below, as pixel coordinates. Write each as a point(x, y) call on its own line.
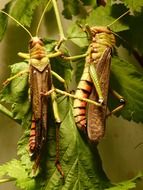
point(61, 31)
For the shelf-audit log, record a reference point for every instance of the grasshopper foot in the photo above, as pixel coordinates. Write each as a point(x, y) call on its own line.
point(47, 93)
point(101, 100)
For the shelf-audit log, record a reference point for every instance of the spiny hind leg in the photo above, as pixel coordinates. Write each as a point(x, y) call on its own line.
point(58, 123)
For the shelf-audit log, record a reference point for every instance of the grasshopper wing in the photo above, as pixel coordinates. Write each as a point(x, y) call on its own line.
point(96, 116)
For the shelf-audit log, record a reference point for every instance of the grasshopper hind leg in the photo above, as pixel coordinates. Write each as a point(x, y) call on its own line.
point(58, 123)
point(57, 161)
point(122, 102)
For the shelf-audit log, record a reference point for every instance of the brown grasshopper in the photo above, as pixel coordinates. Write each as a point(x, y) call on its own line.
point(94, 83)
point(40, 82)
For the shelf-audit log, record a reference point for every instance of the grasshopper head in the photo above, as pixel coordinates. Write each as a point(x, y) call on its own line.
point(35, 41)
point(100, 29)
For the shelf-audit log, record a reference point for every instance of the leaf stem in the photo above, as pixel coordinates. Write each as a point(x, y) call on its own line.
point(61, 31)
point(5, 111)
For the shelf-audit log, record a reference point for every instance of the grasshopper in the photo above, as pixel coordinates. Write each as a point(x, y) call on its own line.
point(94, 84)
point(40, 82)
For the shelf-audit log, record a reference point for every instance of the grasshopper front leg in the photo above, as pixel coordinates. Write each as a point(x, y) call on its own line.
point(23, 55)
point(7, 81)
point(72, 96)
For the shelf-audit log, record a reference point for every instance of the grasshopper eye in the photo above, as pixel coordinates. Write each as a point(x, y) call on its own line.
point(31, 44)
point(41, 40)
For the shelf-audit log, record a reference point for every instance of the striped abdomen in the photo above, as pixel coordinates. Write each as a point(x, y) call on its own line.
point(83, 90)
point(32, 138)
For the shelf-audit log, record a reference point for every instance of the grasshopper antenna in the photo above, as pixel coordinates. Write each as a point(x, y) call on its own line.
point(42, 17)
point(17, 22)
point(118, 18)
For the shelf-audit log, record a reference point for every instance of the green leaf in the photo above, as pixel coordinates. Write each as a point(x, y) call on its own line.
point(16, 92)
point(70, 8)
point(19, 171)
point(17, 88)
point(23, 10)
point(126, 185)
point(81, 166)
point(104, 16)
point(134, 35)
point(77, 35)
point(49, 44)
point(16, 170)
point(135, 6)
point(4, 20)
point(73, 8)
point(127, 80)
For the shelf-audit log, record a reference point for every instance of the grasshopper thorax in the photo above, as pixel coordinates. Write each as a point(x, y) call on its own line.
point(38, 54)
